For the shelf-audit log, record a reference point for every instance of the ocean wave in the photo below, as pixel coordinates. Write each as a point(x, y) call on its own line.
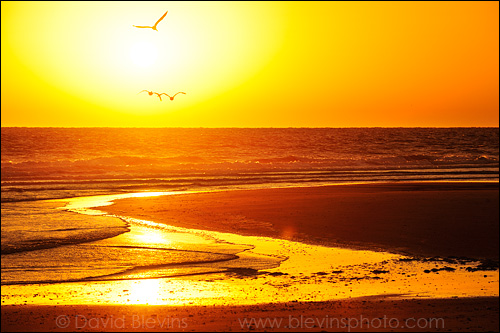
point(14, 191)
point(78, 236)
point(36, 225)
point(40, 163)
point(111, 167)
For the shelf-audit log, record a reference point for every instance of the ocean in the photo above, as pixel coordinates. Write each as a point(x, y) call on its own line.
point(43, 168)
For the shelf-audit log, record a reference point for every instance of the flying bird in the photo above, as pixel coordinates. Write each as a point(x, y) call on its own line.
point(154, 26)
point(159, 95)
point(172, 97)
point(150, 93)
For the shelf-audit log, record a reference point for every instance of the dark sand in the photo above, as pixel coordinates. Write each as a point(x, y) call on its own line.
point(425, 219)
point(429, 315)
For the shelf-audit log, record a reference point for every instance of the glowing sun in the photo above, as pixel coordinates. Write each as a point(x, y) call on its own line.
point(143, 54)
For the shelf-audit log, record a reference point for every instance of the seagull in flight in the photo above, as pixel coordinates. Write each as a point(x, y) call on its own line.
point(154, 26)
point(150, 93)
point(172, 97)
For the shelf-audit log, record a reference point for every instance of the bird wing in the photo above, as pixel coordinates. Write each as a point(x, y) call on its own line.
point(180, 92)
point(165, 94)
point(161, 18)
point(159, 95)
point(143, 91)
point(142, 26)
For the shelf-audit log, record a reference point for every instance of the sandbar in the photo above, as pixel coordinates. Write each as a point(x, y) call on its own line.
point(424, 219)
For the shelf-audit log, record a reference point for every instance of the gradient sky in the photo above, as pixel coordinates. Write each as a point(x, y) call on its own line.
point(251, 64)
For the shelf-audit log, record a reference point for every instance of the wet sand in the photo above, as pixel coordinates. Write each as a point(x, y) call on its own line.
point(363, 314)
point(419, 219)
point(422, 219)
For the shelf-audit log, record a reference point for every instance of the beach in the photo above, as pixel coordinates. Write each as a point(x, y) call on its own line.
point(356, 315)
point(422, 221)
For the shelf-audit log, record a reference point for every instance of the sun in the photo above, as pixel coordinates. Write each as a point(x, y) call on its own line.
point(203, 50)
point(143, 53)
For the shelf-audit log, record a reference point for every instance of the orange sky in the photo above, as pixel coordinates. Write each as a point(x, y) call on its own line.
point(251, 64)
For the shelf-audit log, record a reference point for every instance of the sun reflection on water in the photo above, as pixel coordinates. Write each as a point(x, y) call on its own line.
point(151, 237)
point(144, 292)
point(310, 273)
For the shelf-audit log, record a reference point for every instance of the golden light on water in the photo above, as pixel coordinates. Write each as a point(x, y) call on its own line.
point(151, 237)
point(144, 292)
point(301, 281)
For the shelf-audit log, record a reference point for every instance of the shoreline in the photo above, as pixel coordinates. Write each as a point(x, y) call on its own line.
point(396, 217)
point(252, 209)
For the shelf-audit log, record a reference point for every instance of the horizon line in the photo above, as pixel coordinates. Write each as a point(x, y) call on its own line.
point(236, 127)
